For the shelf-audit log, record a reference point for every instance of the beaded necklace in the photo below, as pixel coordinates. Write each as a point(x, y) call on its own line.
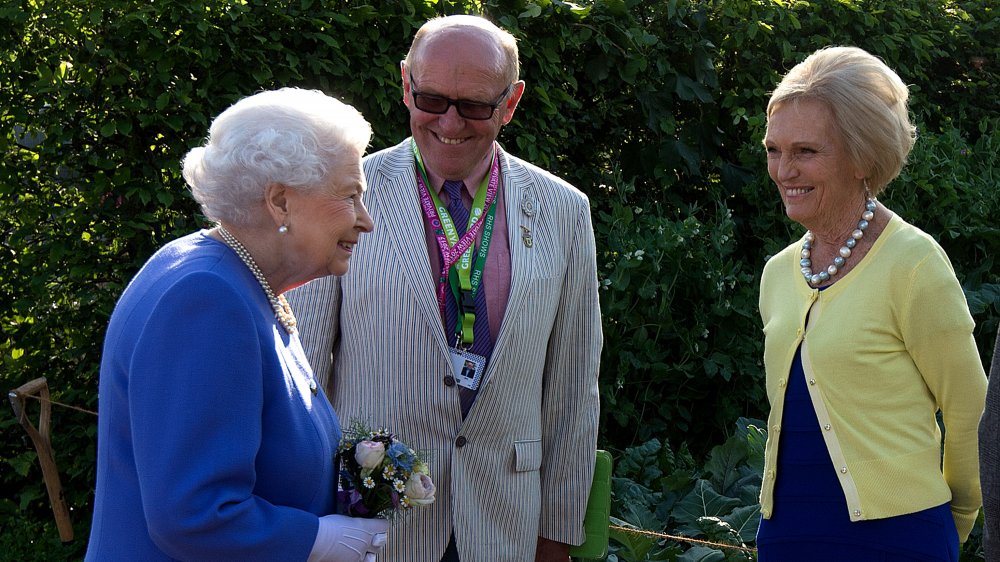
point(282, 310)
point(845, 250)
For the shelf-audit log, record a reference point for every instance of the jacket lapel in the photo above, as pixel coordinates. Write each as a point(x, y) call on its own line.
point(403, 219)
point(521, 206)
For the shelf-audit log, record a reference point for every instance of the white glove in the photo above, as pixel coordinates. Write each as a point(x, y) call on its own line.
point(348, 539)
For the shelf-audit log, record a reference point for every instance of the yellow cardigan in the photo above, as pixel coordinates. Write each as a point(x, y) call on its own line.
point(885, 347)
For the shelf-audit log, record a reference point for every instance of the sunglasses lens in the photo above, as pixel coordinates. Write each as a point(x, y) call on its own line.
point(431, 104)
point(478, 111)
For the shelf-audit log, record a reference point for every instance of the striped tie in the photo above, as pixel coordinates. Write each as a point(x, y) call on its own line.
point(482, 342)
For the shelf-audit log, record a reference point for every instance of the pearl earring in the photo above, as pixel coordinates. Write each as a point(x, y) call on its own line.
point(283, 229)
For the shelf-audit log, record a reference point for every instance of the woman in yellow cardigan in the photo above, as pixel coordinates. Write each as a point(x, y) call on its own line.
point(867, 336)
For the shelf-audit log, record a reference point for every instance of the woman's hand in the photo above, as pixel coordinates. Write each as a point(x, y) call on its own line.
point(348, 539)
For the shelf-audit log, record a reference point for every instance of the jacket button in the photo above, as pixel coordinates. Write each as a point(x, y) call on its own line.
point(461, 441)
point(449, 381)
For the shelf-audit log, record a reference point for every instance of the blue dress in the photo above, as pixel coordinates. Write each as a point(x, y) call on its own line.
point(210, 444)
point(810, 520)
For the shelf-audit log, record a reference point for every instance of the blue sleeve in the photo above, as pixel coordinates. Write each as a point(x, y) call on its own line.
point(196, 400)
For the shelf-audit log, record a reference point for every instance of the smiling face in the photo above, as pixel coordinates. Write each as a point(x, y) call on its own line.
point(819, 185)
point(458, 63)
point(324, 225)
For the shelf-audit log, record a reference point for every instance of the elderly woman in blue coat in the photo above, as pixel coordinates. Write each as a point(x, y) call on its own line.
point(214, 440)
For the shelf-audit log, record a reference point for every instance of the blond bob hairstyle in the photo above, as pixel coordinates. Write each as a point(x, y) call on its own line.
point(294, 137)
point(869, 105)
point(510, 66)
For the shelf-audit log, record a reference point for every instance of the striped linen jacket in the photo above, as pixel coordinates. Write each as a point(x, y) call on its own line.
point(520, 465)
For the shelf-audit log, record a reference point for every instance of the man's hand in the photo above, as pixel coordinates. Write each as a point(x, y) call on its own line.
point(551, 551)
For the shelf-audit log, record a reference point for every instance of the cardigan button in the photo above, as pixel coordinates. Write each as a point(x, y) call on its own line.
point(857, 513)
point(461, 441)
point(827, 427)
point(812, 381)
point(449, 381)
point(843, 470)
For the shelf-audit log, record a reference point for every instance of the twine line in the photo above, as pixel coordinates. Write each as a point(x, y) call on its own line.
point(677, 538)
point(50, 401)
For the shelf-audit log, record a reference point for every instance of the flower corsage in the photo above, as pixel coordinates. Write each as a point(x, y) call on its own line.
point(379, 475)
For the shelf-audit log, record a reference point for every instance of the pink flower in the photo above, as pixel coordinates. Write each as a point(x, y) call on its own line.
point(369, 454)
point(420, 489)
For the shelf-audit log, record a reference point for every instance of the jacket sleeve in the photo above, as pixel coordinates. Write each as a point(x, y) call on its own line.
point(571, 402)
point(937, 331)
point(195, 399)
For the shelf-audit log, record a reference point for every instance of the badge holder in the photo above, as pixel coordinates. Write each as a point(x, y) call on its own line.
point(468, 367)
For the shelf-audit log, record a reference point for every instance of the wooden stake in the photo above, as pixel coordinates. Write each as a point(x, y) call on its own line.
point(39, 388)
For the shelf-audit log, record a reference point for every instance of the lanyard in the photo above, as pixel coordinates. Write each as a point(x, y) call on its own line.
point(465, 277)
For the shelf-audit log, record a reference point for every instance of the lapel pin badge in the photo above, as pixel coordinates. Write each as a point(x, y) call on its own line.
point(526, 236)
point(529, 206)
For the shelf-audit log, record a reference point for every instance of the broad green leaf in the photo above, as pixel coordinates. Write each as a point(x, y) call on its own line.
point(703, 501)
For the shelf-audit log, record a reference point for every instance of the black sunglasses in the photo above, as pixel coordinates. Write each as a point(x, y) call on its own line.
point(475, 110)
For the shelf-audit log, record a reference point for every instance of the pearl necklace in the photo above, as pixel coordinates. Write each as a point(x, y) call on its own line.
point(282, 310)
point(845, 250)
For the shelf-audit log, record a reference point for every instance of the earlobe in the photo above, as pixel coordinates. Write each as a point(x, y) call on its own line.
point(276, 201)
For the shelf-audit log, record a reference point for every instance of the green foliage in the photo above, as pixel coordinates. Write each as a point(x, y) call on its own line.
point(671, 306)
point(654, 109)
point(658, 490)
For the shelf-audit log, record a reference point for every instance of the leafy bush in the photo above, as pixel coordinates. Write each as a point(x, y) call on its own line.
point(656, 489)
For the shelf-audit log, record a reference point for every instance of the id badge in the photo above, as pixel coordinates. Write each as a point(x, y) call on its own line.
point(468, 368)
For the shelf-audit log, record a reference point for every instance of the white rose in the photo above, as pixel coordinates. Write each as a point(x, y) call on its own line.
point(369, 454)
point(420, 489)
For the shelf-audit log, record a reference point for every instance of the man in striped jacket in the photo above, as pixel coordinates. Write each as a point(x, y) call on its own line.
point(469, 322)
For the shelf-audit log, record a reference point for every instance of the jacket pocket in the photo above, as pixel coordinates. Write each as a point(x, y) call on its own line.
point(527, 455)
